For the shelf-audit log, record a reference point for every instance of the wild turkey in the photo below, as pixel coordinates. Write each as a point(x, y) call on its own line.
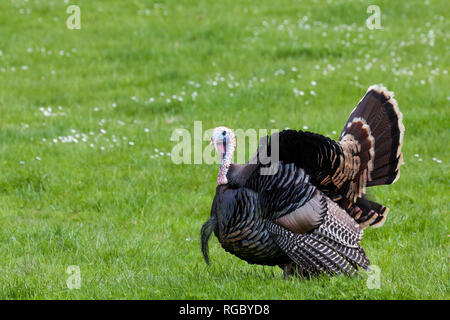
point(310, 214)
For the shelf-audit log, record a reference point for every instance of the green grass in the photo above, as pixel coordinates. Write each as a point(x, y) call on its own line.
point(130, 220)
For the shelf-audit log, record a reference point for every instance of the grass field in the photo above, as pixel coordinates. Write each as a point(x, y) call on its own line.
point(86, 118)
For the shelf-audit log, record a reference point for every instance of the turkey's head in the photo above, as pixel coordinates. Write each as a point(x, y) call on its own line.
point(224, 142)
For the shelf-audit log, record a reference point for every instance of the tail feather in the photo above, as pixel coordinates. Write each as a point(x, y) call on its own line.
point(382, 136)
point(366, 212)
point(374, 214)
point(207, 230)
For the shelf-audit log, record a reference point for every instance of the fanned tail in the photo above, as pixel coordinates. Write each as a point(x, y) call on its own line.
point(377, 126)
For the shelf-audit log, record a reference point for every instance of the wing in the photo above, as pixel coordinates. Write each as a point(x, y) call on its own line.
point(332, 247)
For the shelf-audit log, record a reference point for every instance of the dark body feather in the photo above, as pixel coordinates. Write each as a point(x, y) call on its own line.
point(240, 229)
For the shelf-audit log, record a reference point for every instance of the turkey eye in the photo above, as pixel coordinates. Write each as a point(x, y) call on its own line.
point(224, 133)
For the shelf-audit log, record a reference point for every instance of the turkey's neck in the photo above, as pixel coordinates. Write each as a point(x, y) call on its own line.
point(227, 158)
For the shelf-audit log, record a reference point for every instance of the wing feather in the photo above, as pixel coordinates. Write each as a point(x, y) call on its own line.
point(331, 247)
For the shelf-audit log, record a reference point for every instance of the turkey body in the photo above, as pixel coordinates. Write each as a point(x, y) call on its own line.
point(309, 215)
point(283, 218)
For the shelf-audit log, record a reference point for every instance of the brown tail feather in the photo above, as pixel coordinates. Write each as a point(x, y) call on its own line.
point(379, 111)
point(365, 212)
point(374, 214)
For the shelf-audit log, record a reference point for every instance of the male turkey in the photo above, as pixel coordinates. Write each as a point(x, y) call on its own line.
point(310, 214)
